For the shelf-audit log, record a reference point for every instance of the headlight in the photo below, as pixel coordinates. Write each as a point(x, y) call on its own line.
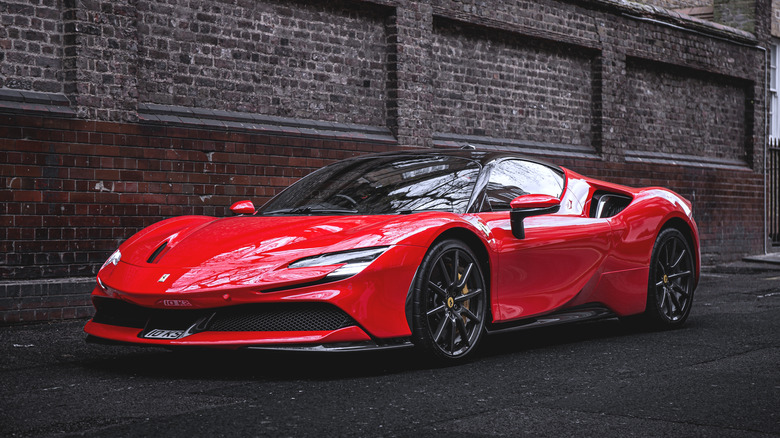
point(354, 261)
point(114, 259)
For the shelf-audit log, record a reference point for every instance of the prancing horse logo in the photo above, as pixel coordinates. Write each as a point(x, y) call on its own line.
point(163, 278)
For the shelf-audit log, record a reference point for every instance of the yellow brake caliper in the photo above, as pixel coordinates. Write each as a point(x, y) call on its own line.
point(465, 303)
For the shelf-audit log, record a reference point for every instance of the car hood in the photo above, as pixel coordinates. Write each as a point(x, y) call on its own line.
point(248, 240)
point(202, 253)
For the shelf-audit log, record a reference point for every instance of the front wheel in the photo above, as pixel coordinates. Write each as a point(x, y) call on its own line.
point(672, 281)
point(449, 303)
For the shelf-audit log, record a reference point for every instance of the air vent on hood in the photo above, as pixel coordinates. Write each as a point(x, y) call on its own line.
point(156, 253)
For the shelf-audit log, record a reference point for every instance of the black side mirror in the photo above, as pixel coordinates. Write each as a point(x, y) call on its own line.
point(527, 206)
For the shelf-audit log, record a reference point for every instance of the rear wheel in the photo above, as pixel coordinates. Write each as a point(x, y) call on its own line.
point(672, 281)
point(450, 302)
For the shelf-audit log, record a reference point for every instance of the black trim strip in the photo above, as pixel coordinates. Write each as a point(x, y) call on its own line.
point(340, 347)
point(580, 313)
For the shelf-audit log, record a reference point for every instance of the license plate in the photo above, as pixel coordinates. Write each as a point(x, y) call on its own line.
point(164, 334)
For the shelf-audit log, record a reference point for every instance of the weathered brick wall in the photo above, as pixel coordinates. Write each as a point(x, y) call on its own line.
point(322, 61)
point(674, 110)
point(410, 90)
point(100, 58)
point(493, 83)
point(31, 45)
point(185, 107)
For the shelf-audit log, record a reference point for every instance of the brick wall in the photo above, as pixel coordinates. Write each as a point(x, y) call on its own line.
point(100, 59)
point(159, 109)
point(493, 83)
point(324, 61)
point(680, 111)
point(31, 45)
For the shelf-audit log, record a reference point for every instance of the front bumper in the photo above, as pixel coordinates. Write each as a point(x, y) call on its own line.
point(231, 326)
point(232, 340)
point(366, 308)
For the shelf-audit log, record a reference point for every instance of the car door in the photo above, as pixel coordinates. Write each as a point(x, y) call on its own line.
point(560, 253)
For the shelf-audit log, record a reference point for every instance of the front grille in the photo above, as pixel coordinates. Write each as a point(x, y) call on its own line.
point(280, 317)
point(270, 317)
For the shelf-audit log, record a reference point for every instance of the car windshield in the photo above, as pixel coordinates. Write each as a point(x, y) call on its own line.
point(385, 184)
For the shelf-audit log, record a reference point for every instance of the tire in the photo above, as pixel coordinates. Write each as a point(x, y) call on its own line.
point(450, 304)
point(671, 282)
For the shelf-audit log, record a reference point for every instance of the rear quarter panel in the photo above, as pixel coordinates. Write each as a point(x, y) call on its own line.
point(624, 282)
point(640, 223)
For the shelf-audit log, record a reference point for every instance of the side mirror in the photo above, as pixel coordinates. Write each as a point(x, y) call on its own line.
point(243, 207)
point(527, 206)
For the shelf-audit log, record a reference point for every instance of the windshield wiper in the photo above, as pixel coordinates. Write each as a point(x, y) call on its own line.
point(311, 210)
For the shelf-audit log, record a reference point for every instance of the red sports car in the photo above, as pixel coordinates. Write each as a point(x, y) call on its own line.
point(431, 248)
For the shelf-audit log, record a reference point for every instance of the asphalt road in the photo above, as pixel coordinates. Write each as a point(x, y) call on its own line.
point(718, 376)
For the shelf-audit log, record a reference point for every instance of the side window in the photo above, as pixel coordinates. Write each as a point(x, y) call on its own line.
point(512, 178)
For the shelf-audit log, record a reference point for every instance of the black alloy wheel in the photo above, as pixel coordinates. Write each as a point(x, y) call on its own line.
point(672, 281)
point(450, 302)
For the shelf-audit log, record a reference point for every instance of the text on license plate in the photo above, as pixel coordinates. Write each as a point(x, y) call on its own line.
point(164, 334)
